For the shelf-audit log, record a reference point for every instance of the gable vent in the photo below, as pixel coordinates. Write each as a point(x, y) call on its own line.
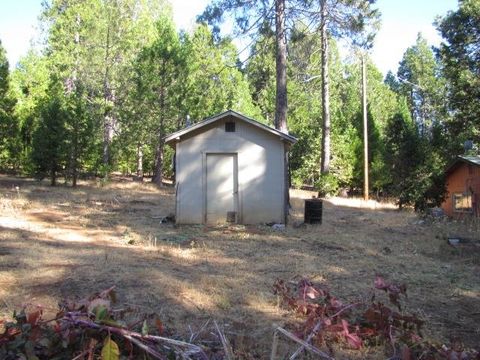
point(230, 126)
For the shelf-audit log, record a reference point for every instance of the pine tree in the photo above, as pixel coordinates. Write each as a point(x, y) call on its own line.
point(250, 18)
point(159, 67)
point(356, 20)
point(30, 81)
point(9, 149)
point(460, 57)
point(91, 44)
point(79, 133)
point(421, 84)
point(48, 144)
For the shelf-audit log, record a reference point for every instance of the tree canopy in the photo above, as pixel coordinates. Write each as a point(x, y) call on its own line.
point(115, 77)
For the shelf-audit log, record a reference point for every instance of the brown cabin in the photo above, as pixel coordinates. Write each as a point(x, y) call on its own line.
point(463, 187)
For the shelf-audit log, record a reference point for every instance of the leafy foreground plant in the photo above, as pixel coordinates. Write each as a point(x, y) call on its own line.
point(360, 324)
point(93, 329)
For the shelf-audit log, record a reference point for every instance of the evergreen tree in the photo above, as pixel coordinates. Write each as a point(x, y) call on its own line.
point(9, 149)
point(214, 81)
point(392, 82)
point(30, 81)
point(460, 57)
point(250, 17)
point(415, 170)
point(79, 133)
point(260, 73)
point(355, 20)
point(420, 83)
point(159, 67)
point(401, 153)
point(48, 143)
point(91, 44)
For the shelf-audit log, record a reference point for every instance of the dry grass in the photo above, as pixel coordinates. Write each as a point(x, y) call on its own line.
point(63, 242)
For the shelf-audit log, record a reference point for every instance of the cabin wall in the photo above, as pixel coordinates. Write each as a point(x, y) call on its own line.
point(465, 178)
point(259, 172)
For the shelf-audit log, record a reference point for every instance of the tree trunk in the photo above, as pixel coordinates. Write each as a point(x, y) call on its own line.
point(108, 98)
point(53, 176)
point(158, 164)
point(107, 139)
point(365, 130)
point(75, 130)
point(140, 162)
point(281, 67)
point(281, 106)
point(325, 165)
point(75, 159)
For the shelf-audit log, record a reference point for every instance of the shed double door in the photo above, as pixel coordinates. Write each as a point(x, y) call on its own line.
point(221, 188)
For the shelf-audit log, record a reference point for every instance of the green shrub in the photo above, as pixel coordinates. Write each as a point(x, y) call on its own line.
point(327, 185)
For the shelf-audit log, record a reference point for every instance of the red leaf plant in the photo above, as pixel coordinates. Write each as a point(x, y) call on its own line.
point(358, 324)
point(85, 329)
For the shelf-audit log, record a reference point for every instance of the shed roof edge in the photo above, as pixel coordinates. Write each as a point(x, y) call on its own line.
point(217, 117)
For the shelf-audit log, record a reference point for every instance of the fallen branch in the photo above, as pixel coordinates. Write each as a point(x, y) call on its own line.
point(273, 355)
point(194, 336)
point(144, 347)
point(226, 346)
point(317, 329)
point(306, 345)
point(137, 337)
point(81, 355)
point(314, 332)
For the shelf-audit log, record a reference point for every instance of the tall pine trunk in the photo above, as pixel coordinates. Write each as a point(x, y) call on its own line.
point(107, 137)
point(75, 156)
point(140, 162)
point(281, 106)
point(108, 98)
point(281, 67)
point(158, 164)
point(53, 175)
point(325, 165)
point(73, 89)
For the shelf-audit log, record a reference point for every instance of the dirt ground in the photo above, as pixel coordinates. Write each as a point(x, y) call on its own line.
point(58, 243)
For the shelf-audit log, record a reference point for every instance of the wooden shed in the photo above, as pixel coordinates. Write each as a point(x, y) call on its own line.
point(230, 168)
point(463, 186)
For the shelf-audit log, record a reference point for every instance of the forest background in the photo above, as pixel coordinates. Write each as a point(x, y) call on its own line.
point(112, 78)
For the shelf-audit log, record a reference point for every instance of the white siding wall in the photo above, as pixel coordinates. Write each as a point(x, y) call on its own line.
point(260, 172)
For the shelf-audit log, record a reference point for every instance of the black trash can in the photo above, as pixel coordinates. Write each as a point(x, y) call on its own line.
point(313, 211)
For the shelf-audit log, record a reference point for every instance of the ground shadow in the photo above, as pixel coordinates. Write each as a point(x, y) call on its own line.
point(58, 243)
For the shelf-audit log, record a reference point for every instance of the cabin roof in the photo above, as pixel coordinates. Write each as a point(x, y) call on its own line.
point(472, 160)
point(212, 119)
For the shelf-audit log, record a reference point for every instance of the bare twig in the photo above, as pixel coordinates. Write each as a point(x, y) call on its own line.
point(136, 337)
point(193, 349)
point(314, 332)
point(226, 346)
point(318, 327)
point(195, 335)
point(273, 355)
point(144, 347)
point(306, 345)
point(81, 355)
point(345, 309)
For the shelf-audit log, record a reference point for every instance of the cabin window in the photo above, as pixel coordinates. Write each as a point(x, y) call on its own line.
point(230, 126)
point(462, 202)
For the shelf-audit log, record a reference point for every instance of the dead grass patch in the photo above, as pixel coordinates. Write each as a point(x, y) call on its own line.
point(62, 242)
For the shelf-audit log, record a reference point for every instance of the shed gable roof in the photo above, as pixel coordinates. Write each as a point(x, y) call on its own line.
point(212, 119)
point(472, 160)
